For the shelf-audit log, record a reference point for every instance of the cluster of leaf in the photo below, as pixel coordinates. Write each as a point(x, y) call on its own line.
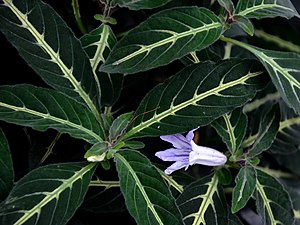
point(254, 115)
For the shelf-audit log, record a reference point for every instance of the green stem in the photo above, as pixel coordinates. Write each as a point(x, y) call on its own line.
point(235, 42)
point(106, 184)
point(278, 41)
point(77, 15)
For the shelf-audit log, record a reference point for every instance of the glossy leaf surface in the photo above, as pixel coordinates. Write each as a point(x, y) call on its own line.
point(244, 189)
point(49, 47)
point(273, 202)
point(42, 109)
point(232, 128)
point(164, 37)
point(147, 196)
point(203, 202)
point(196, 96)
point(266, 9)
point(98, 44)
point(47, 195)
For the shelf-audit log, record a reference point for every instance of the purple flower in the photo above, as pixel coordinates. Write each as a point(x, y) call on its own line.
point(186, 153)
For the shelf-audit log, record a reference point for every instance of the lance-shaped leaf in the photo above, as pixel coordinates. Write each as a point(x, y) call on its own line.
point(227, 4)
point(42, 109)
point(266, 9)
point(119, 126)
point(245, 186)
point(48, 195)
point(140, 4)
point(288, 137)
point(232, 128)
point(98, 44)
point(49, 47)
point(146, 194)
point(6, 167)
point(164, 37)
point(284, 69)
point(245, 24)
point(268, 128)
point(203, 202)
point(196, 96)
point(273, 202)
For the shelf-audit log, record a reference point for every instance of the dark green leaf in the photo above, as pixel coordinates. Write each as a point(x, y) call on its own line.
point(48, 195)
point(6, 167)
point(273, 202)
point(268, 128)
point(284, 69)
point(147, 196)
point(42, 109)
point(119, 126)
point(288, 137)
point(98, 44)
point(140, 4)
point(134, 145)
point(266, 9)
point(164, 37)
point(245, 24)
point(203, 202)
point(49, 47)
point(196, 96)
point(245, 186)
point(97, 152)
point(199, 56)
point(232, 128)
point(227, 4)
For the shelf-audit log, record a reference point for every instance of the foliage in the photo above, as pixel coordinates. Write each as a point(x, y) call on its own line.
point(113, 85)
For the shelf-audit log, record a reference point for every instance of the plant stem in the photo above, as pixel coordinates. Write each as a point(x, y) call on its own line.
point(77, 15)
point(50, 148)
point(278, 41)
point(106, 184)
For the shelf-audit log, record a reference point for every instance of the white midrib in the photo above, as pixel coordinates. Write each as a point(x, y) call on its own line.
point(54, 194)
point(141, 188)
point(207, 200)
point(230, 131)
point(173, 109)
point(54, 56)
point(148, 48)
point(266, 201)
point(48, 116)
point(262, 6)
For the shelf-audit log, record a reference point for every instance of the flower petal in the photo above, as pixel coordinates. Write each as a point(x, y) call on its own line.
point(174, 154)
point(190, 135)
point(176, 166)
point(206, 156)
point(177, 140)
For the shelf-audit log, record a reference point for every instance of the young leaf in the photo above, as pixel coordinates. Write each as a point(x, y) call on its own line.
point(42, 109)
point(6, 167)
point(273, 202)
point(49, 47)
point(119, 125)
point(245, 24)
point(140, 4)
point(48, 195)
point(268, 128)
point(147, 196)
point(284, 69)
point(203, 202)
point(232, 128)
point(227, 4)
point(98, 44)
point(266, 9)
point(245, 186)
point(164, 37)
point(196, 96)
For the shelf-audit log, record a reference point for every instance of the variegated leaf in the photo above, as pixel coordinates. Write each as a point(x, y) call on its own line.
point(164, 37)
